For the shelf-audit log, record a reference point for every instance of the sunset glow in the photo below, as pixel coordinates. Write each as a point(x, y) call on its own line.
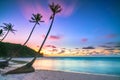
point(83, 28)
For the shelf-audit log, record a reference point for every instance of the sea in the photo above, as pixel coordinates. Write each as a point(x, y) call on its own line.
point(92, 65)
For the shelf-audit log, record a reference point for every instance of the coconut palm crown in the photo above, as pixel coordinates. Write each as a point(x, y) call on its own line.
point(55, 8)
point(9, 28)
point(36, 18)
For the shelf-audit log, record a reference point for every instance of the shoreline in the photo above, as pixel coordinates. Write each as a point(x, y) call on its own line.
point(58, 75)
point(85, 73)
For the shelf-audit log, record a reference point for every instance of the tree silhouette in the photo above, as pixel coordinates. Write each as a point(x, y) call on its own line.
point(55, 8)
point(1, 32)
point(9, 28)
point(36, 18)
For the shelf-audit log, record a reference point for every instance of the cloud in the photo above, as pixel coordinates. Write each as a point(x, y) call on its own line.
point(117, 46)
point(110, 43)
point(49, 46)
point(43, 36)
point(105, 46)
point(53, 37)
point(89, 47)
point(110, 49)
point(109, 36)
point(38, 46)
point(62, 51)
point(28, 7)
point(84, 40)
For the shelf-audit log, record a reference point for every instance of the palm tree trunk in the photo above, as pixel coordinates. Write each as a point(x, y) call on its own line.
point(31, 62)
point(30, 35)
point(47, 34)
point(4, 36)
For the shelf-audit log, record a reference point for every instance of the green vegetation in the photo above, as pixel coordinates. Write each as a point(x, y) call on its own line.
point(16, 50)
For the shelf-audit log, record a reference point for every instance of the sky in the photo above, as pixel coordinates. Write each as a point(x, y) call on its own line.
point(88, 25)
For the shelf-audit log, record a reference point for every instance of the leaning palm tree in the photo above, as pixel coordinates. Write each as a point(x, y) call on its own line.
point(55, 8)
point(9, 28)
point(36, 18)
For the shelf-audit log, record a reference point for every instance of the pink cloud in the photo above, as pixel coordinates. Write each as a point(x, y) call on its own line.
point(30, 7)
point(84, 40)
point(49, 46)
point(111, 36)
point(43, 36)
point(53, 37)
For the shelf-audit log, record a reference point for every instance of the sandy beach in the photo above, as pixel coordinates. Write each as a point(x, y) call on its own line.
point(48, 74)
point(57, 75)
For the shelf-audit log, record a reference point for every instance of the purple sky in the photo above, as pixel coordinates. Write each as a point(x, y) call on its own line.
point(82, 23)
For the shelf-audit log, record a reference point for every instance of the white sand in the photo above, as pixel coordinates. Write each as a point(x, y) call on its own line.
point(57, 75)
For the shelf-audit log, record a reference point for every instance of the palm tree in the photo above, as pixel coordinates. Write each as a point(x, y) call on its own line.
point(9, 28)
point(55, 9)
point(36, 18)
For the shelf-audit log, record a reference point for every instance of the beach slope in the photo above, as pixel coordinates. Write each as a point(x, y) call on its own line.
point(57, 75)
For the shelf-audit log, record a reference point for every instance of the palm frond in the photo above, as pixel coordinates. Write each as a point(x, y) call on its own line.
point(36, 18)
point(8, 26)
point(55, 8)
